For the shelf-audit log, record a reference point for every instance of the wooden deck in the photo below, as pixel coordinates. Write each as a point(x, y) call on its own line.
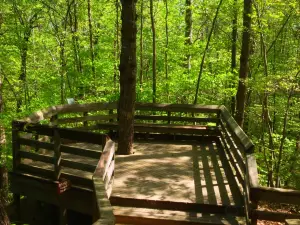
point(182, 172)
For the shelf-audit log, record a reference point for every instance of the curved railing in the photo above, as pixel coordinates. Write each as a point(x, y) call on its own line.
point(77, 121)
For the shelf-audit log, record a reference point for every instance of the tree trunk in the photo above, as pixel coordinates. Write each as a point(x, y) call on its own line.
point(233, 50)
point(206, 48)
point(3, 216)
point(117, 47)
point(153, 52)
point(188, 32)
point(141, 45)
point(63, 70)
point(166, 50)
point(91, 40)
point(127, 77)
point(244, 64)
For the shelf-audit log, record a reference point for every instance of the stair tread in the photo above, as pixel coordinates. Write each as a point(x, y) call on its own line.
point(174, 215)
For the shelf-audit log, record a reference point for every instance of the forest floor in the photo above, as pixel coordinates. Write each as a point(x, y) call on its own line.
point(283, 208)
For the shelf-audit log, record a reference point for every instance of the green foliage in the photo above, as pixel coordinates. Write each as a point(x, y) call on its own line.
point(54, 30)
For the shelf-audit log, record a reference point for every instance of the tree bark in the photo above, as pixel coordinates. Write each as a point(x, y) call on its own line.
point(244, 64)
point(153, 52)
point(3, 216)
point(188, 32)
point(166, 50)
point(141, 45)
point(127, 76)
point(206, 48)
point(117, 46)
point(233, 50)
point(92, 54)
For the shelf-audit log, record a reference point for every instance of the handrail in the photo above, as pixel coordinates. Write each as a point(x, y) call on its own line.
point(102, 180)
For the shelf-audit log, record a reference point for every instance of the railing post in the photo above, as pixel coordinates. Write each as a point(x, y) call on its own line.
point(15, 146)
point(57, 142)
point(16, 163)
point(85, 123)
point(57, 153)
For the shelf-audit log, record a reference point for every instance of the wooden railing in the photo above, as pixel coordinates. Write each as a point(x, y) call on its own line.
point(103, 182)
point(76, 122)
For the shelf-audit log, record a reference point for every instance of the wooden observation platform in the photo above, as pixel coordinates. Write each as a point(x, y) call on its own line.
point(192, 164)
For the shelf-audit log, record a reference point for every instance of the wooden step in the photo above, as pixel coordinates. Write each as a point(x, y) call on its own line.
point(145, 216)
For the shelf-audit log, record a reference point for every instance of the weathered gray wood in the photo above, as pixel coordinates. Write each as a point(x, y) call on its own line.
point(62, 109)
point(77, 165)
point(232, 162)
point(168, 119)
point(104, 207)
point(57, 154)
point(80, 151)
point(252, 170)
point(86, 118)
point(165, 128)
point(37, 157)
point(274, 216)
point(36, 144)
point(236, 130)
point(77, 198)
point(234, 148)
point(15, 145)
point(178, 107)
point(292, 221)
point(275, 195)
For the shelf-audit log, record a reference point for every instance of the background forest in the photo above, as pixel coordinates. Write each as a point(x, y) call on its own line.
point(187, 51)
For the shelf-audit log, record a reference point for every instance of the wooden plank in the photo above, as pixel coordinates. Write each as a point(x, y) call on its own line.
point(236, 130)
point(160, 128)
point(80, 151)
point(37, 157)
point(292, 221)
point(33, 128)
point(86, 118)
point(275, 195)
point(15, 145)
point(104, 206)
point(62, 109)
point(45, 190)
point(145, 216)
point(168, 119)
point(232, 162)
point(36, 144)
point(252, 170)
point(105, 159)
point(234, 149)
point(273, 216)
point(57, 154)
point(109, 174)
point(77, 165)
point(177, 107)
point(180, 206)
point(81, 136)
point(35, 170)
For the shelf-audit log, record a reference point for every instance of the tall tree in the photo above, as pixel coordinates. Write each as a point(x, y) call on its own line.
point(166, 49)
point(92, 53)
point(233, 48)
point(188, 31)
point(141, 44)
point(205, 50)
point(153, 52)
point(244, 64)
point(127, 76)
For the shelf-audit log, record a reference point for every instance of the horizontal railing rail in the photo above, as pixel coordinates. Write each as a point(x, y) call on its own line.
point(103, 180)
point(81, 123)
